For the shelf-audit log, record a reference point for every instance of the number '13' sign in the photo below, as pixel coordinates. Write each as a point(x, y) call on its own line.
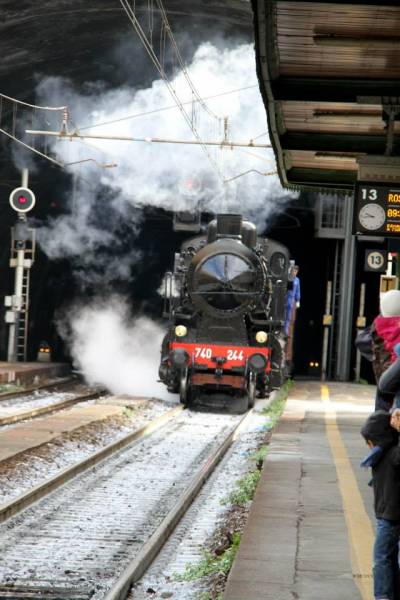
point(375, 260)
point(369, 194)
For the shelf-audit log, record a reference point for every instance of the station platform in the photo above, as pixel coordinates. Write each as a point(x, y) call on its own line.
point(310, 531)
point(25, 436)
point(28, 373)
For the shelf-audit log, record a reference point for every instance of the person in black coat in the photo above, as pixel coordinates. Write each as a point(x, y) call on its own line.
point(389, 382)
point(384, 458)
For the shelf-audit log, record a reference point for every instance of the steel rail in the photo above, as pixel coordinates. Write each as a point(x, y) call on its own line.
point(15, 506)
point(30, 390)
point(139, 565)
point(49, 408)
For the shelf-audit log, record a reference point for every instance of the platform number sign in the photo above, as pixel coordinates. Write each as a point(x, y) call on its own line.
point(377, 210)
point(375, 260)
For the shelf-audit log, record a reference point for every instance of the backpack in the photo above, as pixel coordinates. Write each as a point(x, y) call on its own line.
point(364, 343)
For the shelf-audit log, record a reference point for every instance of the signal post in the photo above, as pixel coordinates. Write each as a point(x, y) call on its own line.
point(22, 200)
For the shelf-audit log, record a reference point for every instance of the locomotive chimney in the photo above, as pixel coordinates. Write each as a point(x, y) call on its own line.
point(229, 226)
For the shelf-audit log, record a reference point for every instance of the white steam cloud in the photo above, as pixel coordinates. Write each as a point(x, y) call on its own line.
point(114, 350)
point(151, 174)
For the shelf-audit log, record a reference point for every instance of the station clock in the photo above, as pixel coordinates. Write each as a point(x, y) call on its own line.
point(372, 216)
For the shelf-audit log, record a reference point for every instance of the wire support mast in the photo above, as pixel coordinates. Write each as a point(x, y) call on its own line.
point(125, 138)
point(160, 68)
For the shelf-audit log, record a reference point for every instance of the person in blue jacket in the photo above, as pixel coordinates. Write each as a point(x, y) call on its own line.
point(292, 303)
point(292, 300)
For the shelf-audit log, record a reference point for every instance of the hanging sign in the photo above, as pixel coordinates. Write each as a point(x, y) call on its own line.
point(377, 210)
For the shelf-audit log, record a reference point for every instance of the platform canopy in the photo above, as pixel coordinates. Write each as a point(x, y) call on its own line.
point(329, 74)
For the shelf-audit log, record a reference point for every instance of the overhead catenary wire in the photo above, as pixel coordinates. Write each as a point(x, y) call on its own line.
point(263, 158)
point(15, 101)
point(150, 50)
point(181, 62)
point(170, 107)
point(13, 136)
point(252, 171)
point(15, 139)
point(261, 135)
point(196, 99)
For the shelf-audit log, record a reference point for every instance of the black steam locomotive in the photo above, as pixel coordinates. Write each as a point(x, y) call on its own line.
point(225, 301)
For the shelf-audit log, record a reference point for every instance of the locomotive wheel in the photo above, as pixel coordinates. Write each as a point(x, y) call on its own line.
point(184, 388)
point(251, 390)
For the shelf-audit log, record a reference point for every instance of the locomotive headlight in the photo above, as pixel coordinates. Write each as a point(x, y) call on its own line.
point(261, 337)
point(257, 363)
point(180, 331)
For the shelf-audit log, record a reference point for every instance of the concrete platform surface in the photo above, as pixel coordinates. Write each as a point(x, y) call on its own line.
point(309, 535)
point(21, 437)
point(31, 372)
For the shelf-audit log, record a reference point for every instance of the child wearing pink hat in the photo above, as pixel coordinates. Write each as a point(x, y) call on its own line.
point(385, 331)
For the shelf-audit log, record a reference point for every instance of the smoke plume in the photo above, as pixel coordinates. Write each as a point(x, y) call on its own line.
point(113, 349)
point(152, 174)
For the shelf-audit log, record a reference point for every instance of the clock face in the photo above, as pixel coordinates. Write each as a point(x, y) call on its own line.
point(372, 216)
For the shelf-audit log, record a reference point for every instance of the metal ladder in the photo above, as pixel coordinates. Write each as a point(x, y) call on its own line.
point(22, 315)
point(22, 327)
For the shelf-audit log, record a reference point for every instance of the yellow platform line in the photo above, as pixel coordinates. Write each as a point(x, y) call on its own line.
point(359, 527)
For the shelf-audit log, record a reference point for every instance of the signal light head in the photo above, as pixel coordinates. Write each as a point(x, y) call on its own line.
point(22, 200)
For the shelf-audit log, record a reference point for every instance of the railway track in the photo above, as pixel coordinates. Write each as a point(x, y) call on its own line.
point(35, 388)
point(40, 491)
point(31, 401)
point(97, 535)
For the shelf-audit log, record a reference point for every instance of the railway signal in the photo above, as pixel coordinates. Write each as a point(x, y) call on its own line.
point(22, 199)
point(23, 241)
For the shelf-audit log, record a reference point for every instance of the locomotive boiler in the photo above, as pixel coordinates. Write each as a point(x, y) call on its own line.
point(225, 301)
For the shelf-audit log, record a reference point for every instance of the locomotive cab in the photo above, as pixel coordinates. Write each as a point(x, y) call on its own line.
point(227, 313)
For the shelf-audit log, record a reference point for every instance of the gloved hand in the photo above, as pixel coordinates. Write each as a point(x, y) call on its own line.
point(396, 348)
point(298, 306)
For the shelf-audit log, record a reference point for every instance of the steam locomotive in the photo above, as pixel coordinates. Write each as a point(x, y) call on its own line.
point(225, 301)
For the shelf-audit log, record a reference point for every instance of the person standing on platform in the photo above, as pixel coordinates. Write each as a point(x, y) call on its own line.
point(385, 332)
point(381, 434)
point(389, 382)
point(292, 304)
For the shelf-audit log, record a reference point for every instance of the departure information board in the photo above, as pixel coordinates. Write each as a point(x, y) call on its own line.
point(377, 210)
